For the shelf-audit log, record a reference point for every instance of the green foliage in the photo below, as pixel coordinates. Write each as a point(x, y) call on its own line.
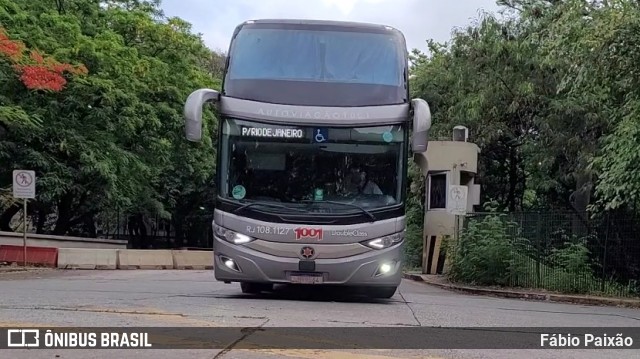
point(112, 140)
point(414, 216)
point(493, 251)
point(572, 271)
point(551, 97)
point(484, 253)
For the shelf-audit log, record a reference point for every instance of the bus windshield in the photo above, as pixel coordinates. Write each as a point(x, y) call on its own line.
point(319, 56)
point(311, 65)
point(297, 165)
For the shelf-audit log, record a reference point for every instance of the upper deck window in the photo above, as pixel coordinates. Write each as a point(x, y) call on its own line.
point(317, 65)
point(319, 56)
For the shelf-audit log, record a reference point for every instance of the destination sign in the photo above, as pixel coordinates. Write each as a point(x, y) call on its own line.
point(272, 132)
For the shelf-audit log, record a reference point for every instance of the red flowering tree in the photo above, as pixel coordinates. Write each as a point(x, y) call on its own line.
point(36, 71)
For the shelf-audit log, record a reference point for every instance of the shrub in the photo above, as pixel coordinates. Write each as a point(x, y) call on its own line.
point(485, 252)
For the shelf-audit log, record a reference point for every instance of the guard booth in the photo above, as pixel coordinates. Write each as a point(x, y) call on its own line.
point(450, 168)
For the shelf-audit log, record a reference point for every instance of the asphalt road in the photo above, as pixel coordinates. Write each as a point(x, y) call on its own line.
point(193, 298)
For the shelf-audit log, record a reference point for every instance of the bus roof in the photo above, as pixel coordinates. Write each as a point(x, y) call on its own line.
point(344, 24)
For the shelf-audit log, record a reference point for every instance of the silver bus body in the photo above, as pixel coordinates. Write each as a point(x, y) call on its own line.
point(267, 143)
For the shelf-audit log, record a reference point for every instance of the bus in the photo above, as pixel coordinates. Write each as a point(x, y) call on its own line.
point(316, 128)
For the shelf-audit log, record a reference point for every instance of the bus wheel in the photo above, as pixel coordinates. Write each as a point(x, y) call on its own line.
point(382, 292)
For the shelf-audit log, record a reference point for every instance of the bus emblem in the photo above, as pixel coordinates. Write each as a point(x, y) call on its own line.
point(308, 233)
point(307, 252)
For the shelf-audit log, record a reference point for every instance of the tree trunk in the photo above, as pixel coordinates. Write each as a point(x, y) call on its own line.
point(132, 226)
point(90, 226)
point(144, 238)
point(42, 220)
point(580, 199)
point(64, 215)
point(524, 183)
point(177, 225)
point(513, 179)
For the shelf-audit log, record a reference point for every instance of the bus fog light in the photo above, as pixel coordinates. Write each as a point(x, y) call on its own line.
point(385, 268)
point(230, 263)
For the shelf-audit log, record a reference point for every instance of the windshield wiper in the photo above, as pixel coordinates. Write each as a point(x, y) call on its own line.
point(373, 218)
point(273, 205)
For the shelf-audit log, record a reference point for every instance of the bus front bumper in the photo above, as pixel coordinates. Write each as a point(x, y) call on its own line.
point(235, 263)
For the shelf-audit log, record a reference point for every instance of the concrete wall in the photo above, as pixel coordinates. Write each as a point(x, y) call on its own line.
point(441, 155)
point(100, 258)
point(42, 240)
point(439, 223)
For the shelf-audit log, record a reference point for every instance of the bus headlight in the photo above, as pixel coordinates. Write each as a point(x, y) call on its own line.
point(231, 236)
point(385, 242)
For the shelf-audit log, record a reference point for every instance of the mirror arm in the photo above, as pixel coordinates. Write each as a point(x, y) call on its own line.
point(193, 112)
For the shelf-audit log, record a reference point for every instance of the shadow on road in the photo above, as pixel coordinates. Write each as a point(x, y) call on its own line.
point(310, 293)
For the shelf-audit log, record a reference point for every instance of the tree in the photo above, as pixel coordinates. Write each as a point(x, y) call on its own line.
point(110, 140)
point(550, 95)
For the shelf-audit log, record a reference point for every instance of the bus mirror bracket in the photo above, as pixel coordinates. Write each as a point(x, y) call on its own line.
point(193, 112)
point(421, 125)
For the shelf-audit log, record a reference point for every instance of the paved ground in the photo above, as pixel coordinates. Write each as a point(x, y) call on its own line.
point(194, 298)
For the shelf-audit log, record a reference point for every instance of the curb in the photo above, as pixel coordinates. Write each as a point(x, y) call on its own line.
point(13, 270)
point(560, 298)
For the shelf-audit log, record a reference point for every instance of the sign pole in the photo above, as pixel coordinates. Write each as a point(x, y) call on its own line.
point(456, 228)
point(457, 206)
point(24, 186)
point(24, 231)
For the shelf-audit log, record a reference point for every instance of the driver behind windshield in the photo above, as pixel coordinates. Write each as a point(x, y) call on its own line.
point(357, 182)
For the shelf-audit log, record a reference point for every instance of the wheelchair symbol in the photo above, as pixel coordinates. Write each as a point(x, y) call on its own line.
point(320, 137)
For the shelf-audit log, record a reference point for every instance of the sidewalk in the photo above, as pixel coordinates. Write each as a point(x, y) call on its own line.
point(442, 282)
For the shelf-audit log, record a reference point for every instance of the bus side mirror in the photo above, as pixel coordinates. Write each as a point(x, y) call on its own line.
point(193, 112)
point(421, 125)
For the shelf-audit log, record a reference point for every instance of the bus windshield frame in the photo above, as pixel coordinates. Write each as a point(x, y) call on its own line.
point(305, 169)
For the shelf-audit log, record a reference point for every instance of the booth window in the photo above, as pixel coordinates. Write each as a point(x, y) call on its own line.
point(438, 191)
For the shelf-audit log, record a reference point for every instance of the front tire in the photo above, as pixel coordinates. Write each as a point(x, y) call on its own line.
point(382, 292)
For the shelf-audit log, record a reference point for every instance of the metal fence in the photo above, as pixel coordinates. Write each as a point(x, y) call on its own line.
point(155, 233)
point(564, 252)
point(140, 231)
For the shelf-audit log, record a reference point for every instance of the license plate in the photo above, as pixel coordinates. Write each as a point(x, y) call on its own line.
point(306, 278)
